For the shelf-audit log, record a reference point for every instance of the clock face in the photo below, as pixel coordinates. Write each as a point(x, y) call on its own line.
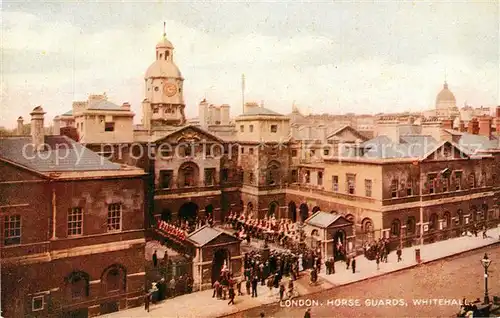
point(169, 89)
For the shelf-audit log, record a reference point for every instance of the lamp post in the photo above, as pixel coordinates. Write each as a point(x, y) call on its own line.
point(486, 263)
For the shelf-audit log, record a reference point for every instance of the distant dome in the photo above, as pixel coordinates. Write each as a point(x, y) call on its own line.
point(162, 68)
point(445, 95)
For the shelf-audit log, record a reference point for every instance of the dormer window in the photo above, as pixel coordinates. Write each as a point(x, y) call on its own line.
point(274, 128)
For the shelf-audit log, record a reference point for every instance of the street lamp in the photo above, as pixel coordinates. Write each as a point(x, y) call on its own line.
point(486, 263)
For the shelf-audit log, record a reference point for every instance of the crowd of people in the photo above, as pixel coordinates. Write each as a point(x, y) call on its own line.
point(284, 232)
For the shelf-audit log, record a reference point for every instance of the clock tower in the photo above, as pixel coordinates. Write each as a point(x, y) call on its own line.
point(163, 105)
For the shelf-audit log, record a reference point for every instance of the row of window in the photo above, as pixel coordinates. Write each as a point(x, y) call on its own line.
point(312, 152)
point(108, 126)
point(12, 223)
point(189, 150)
point(273, 128)
point(188, 177)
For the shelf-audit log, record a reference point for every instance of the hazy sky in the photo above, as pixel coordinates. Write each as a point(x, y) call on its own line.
point(327, 57)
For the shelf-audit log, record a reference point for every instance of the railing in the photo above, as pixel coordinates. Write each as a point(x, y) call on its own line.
point(331, 194)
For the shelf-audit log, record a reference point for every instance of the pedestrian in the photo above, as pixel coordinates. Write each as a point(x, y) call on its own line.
point(270, 284)
point(231, 296)
point(146, 302)
point(247, 285)
point(308, 313)
point(377, 260)
point(255, 281)
point(282, 291)
point(262, 315)
point(398, 253)
point(239, 287)
point(216, 289)
point(353, 265)
point(332, 265)
point(155, 259)
point(348, 261)
point(327, 265)
point(484, 232)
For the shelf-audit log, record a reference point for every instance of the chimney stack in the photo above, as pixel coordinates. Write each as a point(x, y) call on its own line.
point(126, 106)
point(37, 129)
point(485, 126)
point(56, 128)
point(447, 124)
point(20, 121)
point(461, 126)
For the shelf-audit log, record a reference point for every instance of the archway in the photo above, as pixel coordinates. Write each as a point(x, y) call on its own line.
point(433, 222)
point(396, 228)
point(166, 215)
point(249, 209)
point(188, 212)
point(273, 209)
point(221, 257)
point(473, 212)
point(209, 211)
point(292, 211)
point(339, 249)
point(367, 228)
point(316, 209)
point(304, 212)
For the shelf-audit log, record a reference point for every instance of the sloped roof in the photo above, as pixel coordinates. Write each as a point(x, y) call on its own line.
point(104, 105)
point(205, 235)
point(68, 113)
point(323, 219)
point(255, 111)
point(477, 142)
point(347, 127)
point(62, 154)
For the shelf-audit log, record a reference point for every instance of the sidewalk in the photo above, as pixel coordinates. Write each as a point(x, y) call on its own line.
point(201, 304)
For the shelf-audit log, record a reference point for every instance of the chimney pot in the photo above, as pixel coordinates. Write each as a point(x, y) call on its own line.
point(20, 125)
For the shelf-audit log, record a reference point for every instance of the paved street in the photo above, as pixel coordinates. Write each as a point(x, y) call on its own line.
point(454, 278)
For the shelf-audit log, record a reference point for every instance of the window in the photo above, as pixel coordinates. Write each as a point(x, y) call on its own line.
point(209, 176)
point(75, 221)
point(166, 177)
point(12, 229)
point(225, 174)
point(242, 150)
point(335, 183)
point(320, 178)
point(113, 280)
point(165, 151)
point(208, 150)
point(188, 151)
point(79, 286)
point(483, 179)
point(295, 176)
point(472, 180)
point(351, 183)
point(189, 176)
point(155, 110)
point(326, 152)
point(108, 127)
point(242, 128)
point(368, 188)
point(274, 128)
point(307, 176)
point(294, 153)
point(394, 188)
point(115, 217)
point(156, 87)
point(433, 222)
point(411, 225)
point(396, 228)
point(431, 182)
point(446, 220)
point(37, 303)
point(251, 178)
point(250, 128)
point(250, 150)
point(312, 152)
point(409, 187)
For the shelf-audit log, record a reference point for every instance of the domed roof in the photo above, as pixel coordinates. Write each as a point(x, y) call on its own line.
point(445, 95)
point(161, 68)
point(164, 43)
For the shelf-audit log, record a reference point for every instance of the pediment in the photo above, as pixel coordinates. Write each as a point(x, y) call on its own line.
point(223, 238)
point(190, 134)
point(347, 134)
point(445, 151)
point(340, 222)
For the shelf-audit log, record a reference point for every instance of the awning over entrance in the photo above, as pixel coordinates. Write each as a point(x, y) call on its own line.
point(326, 220)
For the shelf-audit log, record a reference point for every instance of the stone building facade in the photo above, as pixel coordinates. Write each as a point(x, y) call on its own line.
point(72, 228)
